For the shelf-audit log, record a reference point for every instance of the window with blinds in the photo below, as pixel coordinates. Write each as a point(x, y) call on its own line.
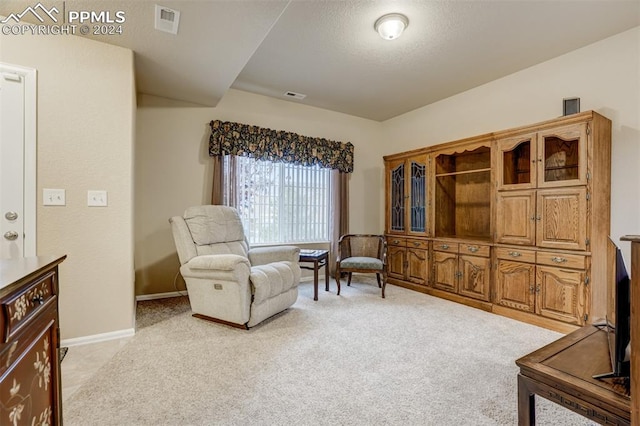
point(279, 202)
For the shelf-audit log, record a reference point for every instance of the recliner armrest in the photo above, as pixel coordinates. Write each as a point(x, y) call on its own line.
point(266, 255)
point(217, 262)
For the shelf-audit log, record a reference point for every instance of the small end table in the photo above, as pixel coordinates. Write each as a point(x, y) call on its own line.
point(319, 258)
point(563, 371)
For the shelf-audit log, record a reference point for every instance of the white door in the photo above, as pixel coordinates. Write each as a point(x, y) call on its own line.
point(17, 162)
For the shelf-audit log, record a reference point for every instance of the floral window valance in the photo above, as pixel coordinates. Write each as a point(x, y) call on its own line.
point(228, 138)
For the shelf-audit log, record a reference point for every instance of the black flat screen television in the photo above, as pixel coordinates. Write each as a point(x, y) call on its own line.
point(618, 321)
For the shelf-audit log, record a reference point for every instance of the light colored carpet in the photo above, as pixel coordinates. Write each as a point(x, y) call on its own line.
point(353, 359)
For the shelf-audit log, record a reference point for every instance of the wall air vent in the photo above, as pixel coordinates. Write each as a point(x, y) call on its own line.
point(294, 95)
point(167, 20)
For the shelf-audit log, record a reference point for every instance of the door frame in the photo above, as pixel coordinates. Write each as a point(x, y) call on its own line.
point(30, 153)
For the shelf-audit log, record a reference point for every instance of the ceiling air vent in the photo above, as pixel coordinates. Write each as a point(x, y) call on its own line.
point(294, 95)
point(167, 20)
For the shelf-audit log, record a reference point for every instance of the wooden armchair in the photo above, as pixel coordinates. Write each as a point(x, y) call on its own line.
point(365, 253)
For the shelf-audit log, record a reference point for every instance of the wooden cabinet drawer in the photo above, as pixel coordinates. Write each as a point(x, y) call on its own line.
point(20, 307)
point(575, 261)
point(517, 255)
point(446, 246)
point(396, 241)
point(475, 249)
point(419, 244)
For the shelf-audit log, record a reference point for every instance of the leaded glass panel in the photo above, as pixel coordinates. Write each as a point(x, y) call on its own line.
point(418, 197)
point(397, 198)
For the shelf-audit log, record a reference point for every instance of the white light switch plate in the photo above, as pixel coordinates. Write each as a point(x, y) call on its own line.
point(97, 198)
point(53, 197)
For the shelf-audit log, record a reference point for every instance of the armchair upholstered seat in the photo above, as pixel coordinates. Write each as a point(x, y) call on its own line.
point(227, 282)
point(362, 253)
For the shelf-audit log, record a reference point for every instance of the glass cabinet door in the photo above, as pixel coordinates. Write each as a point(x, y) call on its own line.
point(562, 156)
point(397, 198)
point(407, 196)
point(418, 196)
point(517, 162)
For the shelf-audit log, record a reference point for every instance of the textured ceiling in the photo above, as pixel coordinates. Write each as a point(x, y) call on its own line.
point(329, 51)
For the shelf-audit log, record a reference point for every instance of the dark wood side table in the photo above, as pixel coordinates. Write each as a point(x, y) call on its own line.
point(562, 372)
point(318, 258)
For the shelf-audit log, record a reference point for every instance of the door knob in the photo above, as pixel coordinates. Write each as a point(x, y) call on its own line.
point(11, 215)
point(11, 235)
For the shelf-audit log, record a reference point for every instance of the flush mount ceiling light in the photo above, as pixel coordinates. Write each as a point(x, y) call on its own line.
point(391, 26)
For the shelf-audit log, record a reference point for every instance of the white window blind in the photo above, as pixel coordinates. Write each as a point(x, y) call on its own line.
point(280, 202)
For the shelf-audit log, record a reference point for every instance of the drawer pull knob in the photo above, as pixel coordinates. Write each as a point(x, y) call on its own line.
point(417, 244)
point(37, 300)
point(396, 241)
point(473, 249)
point(558, 259)
point(444, 246)
point(514, 254)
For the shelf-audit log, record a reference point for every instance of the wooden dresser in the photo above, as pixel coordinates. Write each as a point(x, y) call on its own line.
point(30, 341)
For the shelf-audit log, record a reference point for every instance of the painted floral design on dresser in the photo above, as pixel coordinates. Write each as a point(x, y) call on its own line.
point(24, 408)
point(25, 303)
point(15, 413)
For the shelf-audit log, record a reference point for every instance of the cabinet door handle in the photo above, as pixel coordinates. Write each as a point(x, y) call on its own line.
point(473, 249)
point(11, 235)
point(444, 246)
point(515, 254)
point(538, 288)
point(532, 289)
point(533, 218)
point(556, 259)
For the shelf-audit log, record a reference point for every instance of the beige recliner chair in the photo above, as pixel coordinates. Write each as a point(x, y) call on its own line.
point(227, 282)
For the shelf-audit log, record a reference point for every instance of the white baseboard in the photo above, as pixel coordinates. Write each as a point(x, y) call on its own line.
point(155, 296)
point(95, 338)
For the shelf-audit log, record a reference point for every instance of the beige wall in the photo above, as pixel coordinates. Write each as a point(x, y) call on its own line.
point(86, 113)
point(173, 170)
point(606, 78)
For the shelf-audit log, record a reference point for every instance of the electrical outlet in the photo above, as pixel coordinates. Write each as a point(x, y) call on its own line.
point(97, 198)
point(53, 197)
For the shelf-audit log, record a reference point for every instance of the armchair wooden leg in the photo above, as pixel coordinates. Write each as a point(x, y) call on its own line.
point(349, 279)
point(338, 278)
point(384, 283)
point(378, 277)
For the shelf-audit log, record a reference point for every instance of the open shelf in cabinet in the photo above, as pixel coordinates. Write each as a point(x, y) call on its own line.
point(467, 161)
point(463, 194)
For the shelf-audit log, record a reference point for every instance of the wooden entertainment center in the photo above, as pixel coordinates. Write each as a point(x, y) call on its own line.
point(512, 222)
